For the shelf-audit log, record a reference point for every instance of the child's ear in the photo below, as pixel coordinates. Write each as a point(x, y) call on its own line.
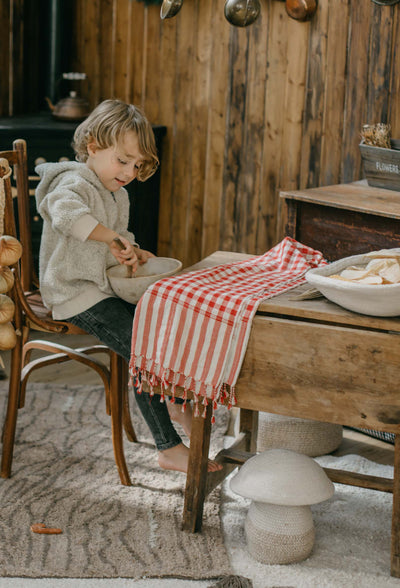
point(92, 147)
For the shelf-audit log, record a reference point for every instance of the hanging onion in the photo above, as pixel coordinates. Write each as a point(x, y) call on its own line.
point(10, 250)
point(6, 280)
point(7, 308)
point(8, 336)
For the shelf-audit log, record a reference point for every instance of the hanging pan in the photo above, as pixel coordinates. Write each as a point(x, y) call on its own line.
point(170, 8)
point(386, 2)
point(242, 13)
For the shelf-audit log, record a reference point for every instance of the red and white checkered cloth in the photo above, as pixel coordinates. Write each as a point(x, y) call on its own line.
point(192, 330)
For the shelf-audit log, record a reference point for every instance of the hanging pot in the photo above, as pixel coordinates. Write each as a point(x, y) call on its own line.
point(242, 13)
point(170, 8)
point(386, 2)
point(301, 9)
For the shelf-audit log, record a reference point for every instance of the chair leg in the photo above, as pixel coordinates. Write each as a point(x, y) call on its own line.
point(126, 414)
point(118, 365)
point(10, 423)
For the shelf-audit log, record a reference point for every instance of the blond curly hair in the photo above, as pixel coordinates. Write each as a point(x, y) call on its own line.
point(105, 125)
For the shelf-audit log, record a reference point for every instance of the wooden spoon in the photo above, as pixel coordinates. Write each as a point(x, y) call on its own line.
point(121, 246)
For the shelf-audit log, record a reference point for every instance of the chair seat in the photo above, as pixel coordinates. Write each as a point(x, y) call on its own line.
point(43, 313)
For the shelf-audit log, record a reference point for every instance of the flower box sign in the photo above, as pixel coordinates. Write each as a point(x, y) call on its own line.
point(381, 166)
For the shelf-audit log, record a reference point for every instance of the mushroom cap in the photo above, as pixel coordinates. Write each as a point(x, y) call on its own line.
point(281, 476)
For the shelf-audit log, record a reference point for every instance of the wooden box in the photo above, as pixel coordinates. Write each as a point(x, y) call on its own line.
point(381, 166)
point(344, 219)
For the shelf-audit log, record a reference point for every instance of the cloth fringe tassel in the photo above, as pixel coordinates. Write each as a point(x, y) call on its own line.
point(138, 376)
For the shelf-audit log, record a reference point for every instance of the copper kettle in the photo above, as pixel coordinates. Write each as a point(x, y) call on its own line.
point(70, 108)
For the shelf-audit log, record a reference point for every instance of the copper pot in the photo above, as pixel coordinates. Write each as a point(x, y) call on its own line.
point(301, 9)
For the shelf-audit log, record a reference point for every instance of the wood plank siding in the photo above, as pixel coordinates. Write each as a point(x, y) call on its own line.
point(277, 105)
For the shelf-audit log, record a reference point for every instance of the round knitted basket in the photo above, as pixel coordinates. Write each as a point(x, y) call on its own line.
point(304, 436)
point(279, 534)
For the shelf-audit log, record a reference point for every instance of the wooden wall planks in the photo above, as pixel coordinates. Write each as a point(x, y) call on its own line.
point(334, 93)
point(5, 85)
point(394, 83)
point(278, 105)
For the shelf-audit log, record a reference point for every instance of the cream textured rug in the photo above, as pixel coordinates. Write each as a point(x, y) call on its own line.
point(64, 475)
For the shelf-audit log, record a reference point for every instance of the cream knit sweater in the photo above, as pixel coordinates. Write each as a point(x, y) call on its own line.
point(72, 269)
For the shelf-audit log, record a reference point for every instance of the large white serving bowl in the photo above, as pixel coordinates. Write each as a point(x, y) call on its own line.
point(379, 300)
point(132, 288)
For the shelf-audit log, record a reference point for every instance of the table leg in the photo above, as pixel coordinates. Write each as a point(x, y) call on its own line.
point(395, 562)
point(249, 426)
point(197, 472)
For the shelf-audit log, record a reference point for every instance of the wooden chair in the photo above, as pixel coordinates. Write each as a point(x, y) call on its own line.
point(31, 314)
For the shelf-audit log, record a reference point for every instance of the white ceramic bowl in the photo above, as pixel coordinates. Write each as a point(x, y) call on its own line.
point(380, 300)
point(132, 288)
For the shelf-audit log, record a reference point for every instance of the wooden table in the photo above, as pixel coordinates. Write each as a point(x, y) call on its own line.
point(309, 359)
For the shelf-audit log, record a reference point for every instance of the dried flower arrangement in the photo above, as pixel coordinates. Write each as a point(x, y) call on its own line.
point(377, 135)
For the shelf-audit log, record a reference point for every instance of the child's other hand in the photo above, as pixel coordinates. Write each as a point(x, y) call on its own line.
point(143, 255)
point(125, 256)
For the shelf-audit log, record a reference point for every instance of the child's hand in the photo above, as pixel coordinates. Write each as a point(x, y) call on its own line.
point(143, 255)
point(126, 256)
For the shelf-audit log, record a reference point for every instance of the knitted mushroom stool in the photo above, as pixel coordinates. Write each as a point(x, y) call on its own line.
point(301, 435)
point(282, 484)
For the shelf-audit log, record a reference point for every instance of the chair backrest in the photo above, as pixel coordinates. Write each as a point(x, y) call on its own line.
point(19, 225)
point(17, 222)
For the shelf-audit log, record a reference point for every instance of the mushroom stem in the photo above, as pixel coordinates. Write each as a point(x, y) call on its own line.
point(278, 534)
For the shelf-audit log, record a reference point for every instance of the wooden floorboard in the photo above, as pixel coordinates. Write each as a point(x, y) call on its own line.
point(76, 373)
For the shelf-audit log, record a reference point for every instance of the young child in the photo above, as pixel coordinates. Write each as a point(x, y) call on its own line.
point(85, 206)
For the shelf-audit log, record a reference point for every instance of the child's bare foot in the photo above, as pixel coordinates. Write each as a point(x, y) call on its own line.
point(177, 459)
point(182, 418)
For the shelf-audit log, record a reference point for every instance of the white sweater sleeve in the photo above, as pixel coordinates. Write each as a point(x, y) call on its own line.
point(82, 228)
